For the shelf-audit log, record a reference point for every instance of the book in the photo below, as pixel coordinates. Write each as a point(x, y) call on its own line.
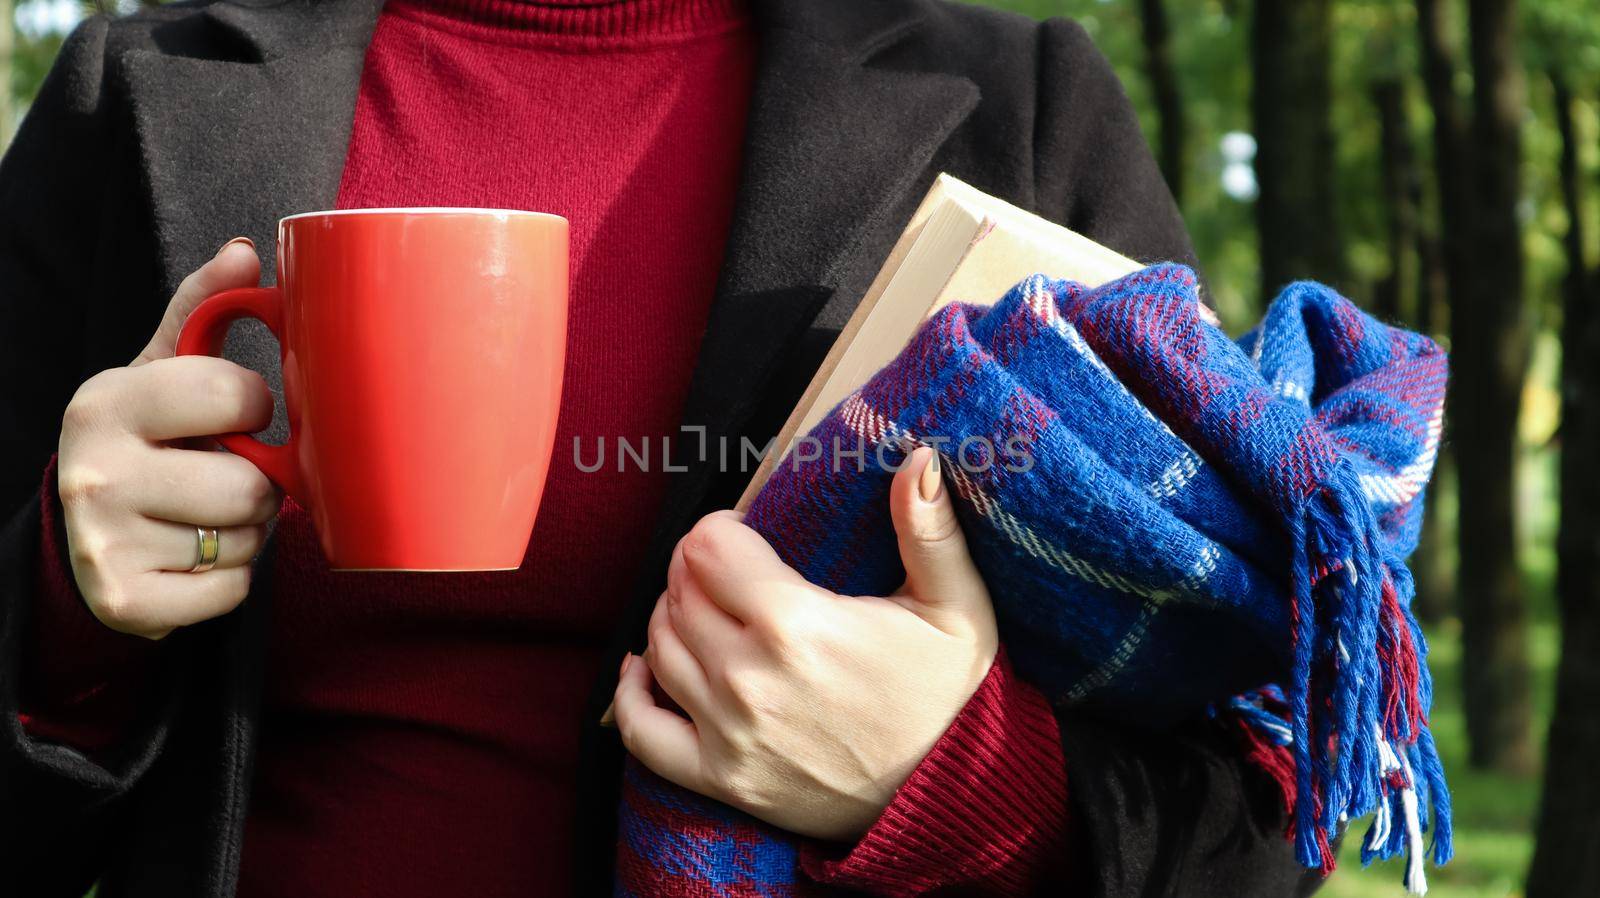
point(961, 245)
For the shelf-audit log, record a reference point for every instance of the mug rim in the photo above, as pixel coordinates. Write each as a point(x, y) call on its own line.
point(423, 210)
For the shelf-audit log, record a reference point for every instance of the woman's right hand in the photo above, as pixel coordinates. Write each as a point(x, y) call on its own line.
point(133, 496)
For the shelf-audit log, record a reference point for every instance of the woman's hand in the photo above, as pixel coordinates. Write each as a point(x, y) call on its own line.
point(131, 498)
point(809, 709)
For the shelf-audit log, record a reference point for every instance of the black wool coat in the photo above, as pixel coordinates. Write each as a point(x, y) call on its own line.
point(160, 135)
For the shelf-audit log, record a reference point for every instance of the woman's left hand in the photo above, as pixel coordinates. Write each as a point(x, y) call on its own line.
point(809, 709)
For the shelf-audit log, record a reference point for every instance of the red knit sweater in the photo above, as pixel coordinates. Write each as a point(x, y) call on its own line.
point(419, 732)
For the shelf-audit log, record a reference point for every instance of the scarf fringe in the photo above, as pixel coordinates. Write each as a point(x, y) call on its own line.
point(1359, 692)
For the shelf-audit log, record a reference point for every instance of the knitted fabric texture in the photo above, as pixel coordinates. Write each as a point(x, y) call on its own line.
point(1169, 522)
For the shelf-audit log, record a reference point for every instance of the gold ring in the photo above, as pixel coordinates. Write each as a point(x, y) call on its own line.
point(209, 546)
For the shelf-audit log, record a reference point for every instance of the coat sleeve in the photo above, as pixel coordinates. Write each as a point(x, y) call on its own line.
point(1182, 813)
point(1175, 813)
point(59, 803)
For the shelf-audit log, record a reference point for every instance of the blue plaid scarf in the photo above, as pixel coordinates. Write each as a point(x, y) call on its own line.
point(1167, 520)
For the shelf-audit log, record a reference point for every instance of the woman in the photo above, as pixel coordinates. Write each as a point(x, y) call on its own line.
point(734, 173)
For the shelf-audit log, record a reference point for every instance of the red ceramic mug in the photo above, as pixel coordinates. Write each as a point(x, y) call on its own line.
point(422, 357)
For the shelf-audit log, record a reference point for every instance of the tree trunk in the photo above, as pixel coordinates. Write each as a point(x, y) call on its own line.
point(1489, 342)
point(1401, 197)
point(1566, 859)
point(1575, 288)
point(1435, 564)
point(1289, 103)
point(1450, 150)
point(1164, 86)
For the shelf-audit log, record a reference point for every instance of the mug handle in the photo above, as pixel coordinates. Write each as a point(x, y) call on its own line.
point(203, 333)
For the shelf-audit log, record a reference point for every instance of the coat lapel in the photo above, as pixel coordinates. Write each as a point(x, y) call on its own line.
point(230, 145)
point(233, 144)
point(834, 146)
point(832, 143)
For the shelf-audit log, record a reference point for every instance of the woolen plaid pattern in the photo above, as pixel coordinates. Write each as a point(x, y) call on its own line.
point(1168, 521)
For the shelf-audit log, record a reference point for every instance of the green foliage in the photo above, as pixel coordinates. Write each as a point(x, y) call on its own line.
point(30, 64)
point(1562, 34)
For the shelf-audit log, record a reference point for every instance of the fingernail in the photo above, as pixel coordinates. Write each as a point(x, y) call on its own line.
point(626, 660)
point(245, 240)
point(609, 719)
point(930, 481)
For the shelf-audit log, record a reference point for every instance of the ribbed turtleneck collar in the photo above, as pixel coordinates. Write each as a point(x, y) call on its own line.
point(602, 20)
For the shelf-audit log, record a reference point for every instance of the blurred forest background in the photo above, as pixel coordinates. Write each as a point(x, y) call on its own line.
point(1437, 160)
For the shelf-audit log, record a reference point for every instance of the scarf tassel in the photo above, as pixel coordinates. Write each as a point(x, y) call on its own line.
point(1359, 692)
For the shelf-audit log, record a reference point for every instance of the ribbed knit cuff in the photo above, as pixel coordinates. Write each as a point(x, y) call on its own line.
point(81, 680)
point(985, 810)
